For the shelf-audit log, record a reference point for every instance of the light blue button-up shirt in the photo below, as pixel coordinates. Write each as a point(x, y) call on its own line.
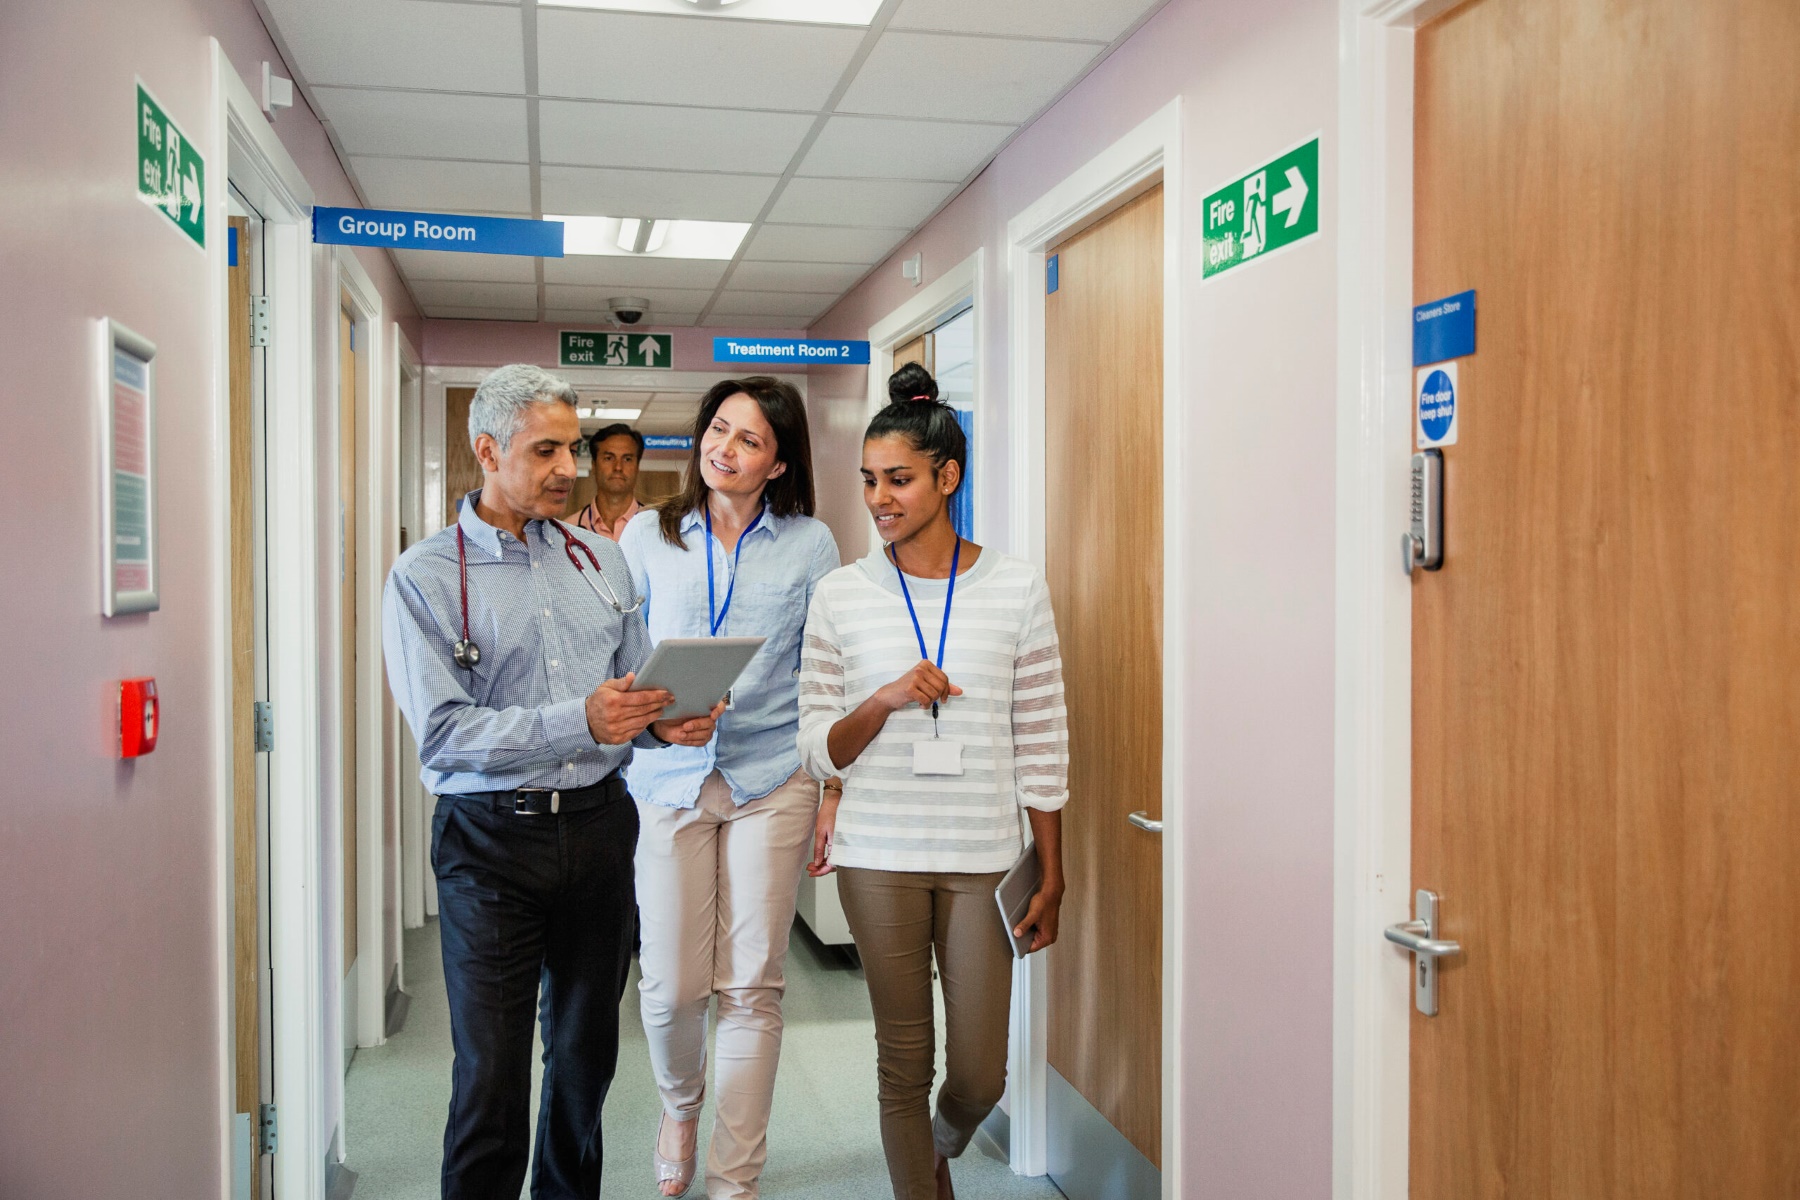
point(519, 717)
point(782, 559)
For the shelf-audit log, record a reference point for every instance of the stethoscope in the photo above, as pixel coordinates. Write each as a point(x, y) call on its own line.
point(467, 654)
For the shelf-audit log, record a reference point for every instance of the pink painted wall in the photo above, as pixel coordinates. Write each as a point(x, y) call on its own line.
point(495, 343)
point(1259, 348)
point(109, 1039)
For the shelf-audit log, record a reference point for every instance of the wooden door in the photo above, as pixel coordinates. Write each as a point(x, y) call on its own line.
point(1606, 730)
point(920, 350)
point(248, 910)
point(1103, 401)
point(347, 484)
point(462, 470)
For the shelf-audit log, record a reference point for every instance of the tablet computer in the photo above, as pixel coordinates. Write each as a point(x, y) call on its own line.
point(698, 671)
point(1014, 895)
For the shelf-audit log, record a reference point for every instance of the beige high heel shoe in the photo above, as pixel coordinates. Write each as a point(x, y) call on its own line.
point(680, 1173)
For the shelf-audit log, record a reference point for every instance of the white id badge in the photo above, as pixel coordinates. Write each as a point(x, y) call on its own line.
point(937, 756)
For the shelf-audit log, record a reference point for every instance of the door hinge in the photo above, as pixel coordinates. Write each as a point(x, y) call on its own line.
point(259, 322)
point(266, 1119)
point(265, 726)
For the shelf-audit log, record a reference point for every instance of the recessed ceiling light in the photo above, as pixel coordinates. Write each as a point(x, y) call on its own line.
point(642, 236)
point(680, 239)
point(812, 12)
point(616, 414)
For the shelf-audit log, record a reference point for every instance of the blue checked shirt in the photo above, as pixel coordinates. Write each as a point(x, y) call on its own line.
point(519, 717)
point(783, 558)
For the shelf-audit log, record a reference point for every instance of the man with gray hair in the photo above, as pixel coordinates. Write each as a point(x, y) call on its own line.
point(511, 647)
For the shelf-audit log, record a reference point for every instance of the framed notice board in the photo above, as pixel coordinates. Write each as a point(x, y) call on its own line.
point(127, 395)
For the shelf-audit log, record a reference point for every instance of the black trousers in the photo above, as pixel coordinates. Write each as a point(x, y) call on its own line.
point(530, 905)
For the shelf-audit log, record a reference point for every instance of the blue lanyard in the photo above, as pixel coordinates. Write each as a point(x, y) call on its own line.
point(949, 596)
point(718, 621)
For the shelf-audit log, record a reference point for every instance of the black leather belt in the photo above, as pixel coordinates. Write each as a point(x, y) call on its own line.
point(540, 802)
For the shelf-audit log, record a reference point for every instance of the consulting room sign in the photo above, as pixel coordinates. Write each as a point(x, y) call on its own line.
point(1272, 207)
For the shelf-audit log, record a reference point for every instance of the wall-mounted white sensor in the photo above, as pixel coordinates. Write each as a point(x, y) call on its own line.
point(913, 269)
point(278, 93)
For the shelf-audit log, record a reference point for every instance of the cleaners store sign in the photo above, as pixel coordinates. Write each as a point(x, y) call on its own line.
point(437, 231)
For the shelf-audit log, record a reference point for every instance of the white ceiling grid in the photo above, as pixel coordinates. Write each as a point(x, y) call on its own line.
point(835, 142)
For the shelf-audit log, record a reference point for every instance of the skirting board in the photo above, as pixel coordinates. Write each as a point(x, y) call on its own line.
point(1089, 1159)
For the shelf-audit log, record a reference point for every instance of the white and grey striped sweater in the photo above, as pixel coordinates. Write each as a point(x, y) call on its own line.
point(1011, 720)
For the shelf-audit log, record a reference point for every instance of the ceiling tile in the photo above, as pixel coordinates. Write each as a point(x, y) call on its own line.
point(1095, 20)
point(404, 43)
point(823, 243)
point(484, 268)
point(690, 60)
point(446, 312)
point(563, 295)
point(596, 318)
point(476, 295)
point(797, 277)
point(433, 185)
point(752, 321)
point(965, 78)
point(885, 202)
point(609, 192)
point(610, 270)
point(874, 148)
point(777, 304)
point(643, 135)
point(426, 124)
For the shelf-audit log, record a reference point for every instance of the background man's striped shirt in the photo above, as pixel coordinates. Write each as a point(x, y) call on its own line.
point(1002, 651)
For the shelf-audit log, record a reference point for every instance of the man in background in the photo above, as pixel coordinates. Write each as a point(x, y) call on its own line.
point(616, 452)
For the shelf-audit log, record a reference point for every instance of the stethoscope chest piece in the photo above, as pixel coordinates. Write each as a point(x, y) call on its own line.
point(466, 653)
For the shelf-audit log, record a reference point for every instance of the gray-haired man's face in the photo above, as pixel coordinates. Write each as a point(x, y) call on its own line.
point(535, 474)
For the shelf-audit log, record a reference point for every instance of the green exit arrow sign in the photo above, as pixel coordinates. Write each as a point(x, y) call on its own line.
point(614, 348)
point(171, 175)
point(1273, 206)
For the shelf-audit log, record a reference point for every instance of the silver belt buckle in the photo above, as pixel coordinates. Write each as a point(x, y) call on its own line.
point(555, 801)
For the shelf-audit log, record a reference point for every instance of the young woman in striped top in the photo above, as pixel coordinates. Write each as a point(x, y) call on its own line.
point(930, 681)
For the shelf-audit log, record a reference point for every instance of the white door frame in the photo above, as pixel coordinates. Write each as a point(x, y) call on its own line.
point(1149, 154)
point(377, 545)
point(255, 161)
point(412, 867)
point(955, 289)
point(1372, 992)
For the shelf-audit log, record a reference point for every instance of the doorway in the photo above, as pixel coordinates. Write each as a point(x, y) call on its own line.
point(1605, 730)
point(252, 1024)
point(1080, 1010)
point(1103, 425)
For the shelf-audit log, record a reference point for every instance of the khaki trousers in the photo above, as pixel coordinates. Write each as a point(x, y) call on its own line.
point(716, 888)
point(899, 918)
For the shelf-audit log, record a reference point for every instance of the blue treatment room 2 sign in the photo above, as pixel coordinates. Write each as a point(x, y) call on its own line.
point(437, 231)
point(1435, 390)
point(790, 350)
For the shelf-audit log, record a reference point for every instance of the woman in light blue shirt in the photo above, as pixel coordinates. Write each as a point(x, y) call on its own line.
point(726, 827)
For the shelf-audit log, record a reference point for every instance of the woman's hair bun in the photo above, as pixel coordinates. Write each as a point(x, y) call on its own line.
point(911, 382)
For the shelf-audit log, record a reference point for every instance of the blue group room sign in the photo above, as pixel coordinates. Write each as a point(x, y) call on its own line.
point(437, 231)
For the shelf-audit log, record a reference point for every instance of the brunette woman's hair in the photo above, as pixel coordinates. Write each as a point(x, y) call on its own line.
point(928, 424)
point(789, 494)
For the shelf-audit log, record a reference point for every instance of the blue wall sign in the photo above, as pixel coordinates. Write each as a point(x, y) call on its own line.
point(1444, 329)
point(1437, 406)
point(790, 350)
point(437, 231)
point(1052, 269)
point(662, 441)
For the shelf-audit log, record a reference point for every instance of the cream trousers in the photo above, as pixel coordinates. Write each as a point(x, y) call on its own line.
point(716, 887)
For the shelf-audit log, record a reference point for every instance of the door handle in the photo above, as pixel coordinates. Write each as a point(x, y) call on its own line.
point(1142, 819)
point(1419, 936)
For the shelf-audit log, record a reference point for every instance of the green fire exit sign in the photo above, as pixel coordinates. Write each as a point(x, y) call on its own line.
point(171, 175)
point(601, 348)
point(1273, 206)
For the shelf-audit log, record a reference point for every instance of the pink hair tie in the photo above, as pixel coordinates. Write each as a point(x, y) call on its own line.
point(921, 397)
